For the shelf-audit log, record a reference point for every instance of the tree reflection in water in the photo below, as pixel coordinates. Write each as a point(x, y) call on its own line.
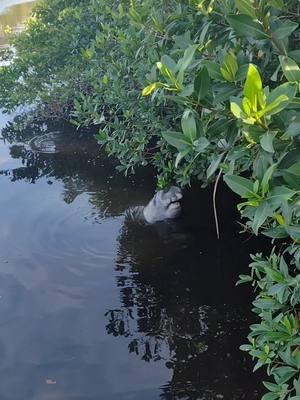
point(72, 158)
point(178, 308)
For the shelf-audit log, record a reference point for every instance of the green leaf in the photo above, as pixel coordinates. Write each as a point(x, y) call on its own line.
point(284, 374)
point(184, 62)
point(271, 386)
point(277, 336)
point(101, 137)
point(287, 89)
point(294, 231)
point(260, 216)
point(201, 83)
point(283, 267)
point(222, 92)
point(292, 180)
point(151, 88)
point(236, 110)
point(253, 86)
point(214, 165)
point(244, 279)
point(170, 63)
point(247, 106)
point(226, 75)
point(213, 69)
point(295, 169)
point(266, 179)
point(189, 127)
point(295, 55)
point(297, 386)
point(181, 155)
point(166, 72)
point(275, 107)
point(292, 176)
point(266, 142)
point(246, 27)
point(230, 67)
point(285, 29)
point(246, 347)
point(278, 232)
point(204, 30)
point(258, 365)
point(278, 195)
point(290, 69)
point(201, 144)
point(279, 4)
point(239, 185)
point(246, 7)
point(176, 139)
point(270, 396)
point(187, 90)
point(292, 130)
point(264, 304)
point(274, 275)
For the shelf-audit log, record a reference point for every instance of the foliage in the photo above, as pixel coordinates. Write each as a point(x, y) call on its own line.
point(196, 89)
point(258, 133)
point(88, 59)
point(275, 341)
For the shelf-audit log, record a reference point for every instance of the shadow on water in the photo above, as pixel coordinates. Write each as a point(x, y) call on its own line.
point(94, 307)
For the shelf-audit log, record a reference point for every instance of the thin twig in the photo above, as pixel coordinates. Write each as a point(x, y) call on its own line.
point(215, 204)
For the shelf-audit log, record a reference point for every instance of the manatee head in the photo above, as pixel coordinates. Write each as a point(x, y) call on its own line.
point(164, 205)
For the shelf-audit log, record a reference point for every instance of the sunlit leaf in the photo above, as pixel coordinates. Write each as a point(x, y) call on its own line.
point(236, 110)
point(253, 86)
point(151, 88)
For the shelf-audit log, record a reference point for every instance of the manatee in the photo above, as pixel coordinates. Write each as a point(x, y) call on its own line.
point(165, 204)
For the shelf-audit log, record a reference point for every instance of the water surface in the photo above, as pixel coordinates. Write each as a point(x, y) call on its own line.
point(92, 307)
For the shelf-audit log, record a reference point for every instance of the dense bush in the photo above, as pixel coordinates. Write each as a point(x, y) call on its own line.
point(87, 60)
point(224, 80)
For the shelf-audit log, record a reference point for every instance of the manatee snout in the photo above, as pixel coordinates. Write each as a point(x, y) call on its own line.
point(164, 205)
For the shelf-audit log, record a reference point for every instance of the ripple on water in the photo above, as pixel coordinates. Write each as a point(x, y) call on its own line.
point(51, 142)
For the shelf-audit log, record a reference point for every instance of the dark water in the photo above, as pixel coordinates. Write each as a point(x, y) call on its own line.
point(93, 308)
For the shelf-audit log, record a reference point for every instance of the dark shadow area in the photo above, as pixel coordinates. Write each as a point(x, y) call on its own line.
point(179, 303)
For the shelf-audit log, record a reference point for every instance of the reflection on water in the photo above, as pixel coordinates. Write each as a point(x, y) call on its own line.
point(12, 14)
point(93, 307)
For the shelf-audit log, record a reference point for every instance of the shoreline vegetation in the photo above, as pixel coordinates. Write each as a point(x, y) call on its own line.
point(201, 91)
